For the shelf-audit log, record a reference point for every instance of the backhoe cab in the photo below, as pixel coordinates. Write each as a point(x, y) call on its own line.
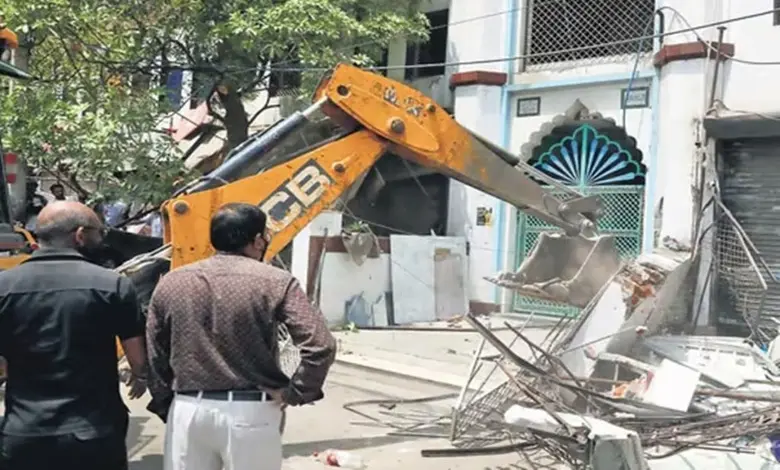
point(8, 42)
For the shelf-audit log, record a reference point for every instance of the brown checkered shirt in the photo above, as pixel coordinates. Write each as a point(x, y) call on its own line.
point(212, 326)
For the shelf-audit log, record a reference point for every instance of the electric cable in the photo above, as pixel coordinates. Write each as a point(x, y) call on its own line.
point(619, 42)
point(432, 28)
point(544, 54)
point(714, 49)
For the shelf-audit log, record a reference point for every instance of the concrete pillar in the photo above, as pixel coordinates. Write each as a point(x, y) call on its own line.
point(683, 99)
point(684, 151)
point(677, 133)
point(478, 107)
point(396, 55)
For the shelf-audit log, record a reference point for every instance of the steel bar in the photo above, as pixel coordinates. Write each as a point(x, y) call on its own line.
point(497, 450)
point(552, 360)
point(536, 398)
point(473, 368)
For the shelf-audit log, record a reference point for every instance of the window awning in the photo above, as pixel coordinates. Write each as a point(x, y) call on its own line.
point(743, 126)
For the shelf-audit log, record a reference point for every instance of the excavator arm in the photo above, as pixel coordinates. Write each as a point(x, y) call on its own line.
point(291, 194)
point(386, 116)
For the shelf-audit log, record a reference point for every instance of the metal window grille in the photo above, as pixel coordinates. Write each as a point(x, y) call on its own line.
point(554, 26)
point(623, 216)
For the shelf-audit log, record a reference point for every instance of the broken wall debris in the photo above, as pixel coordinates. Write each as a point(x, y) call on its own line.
point(623, 382)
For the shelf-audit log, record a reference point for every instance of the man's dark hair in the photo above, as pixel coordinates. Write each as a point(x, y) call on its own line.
point(236, 225)
point(58, 231)
point(56, 185)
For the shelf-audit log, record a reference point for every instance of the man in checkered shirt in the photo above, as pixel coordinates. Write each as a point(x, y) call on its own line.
point(213, 350)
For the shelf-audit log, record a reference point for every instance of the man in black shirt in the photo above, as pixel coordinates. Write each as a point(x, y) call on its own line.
point(58, 191)
point(59, 316)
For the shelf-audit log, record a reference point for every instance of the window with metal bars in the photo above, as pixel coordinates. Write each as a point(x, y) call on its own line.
point(285, 82)
point(563, 32)
point(434, 51)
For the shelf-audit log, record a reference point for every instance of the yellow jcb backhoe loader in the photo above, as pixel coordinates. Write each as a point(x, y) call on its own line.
point(379, 115)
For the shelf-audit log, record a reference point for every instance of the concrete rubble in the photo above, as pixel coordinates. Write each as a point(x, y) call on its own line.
point(621, 386)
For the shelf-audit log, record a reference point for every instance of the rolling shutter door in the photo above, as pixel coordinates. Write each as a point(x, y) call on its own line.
point(750, 188)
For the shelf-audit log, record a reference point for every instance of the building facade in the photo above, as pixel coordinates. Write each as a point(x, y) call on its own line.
point(615, 97)
point(641, 102)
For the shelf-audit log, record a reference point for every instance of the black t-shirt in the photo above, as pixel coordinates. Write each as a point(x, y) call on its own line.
point(36, 203)
point(59, 316)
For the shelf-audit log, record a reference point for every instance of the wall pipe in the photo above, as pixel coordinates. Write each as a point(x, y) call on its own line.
point(648, 239)
point(502, 225)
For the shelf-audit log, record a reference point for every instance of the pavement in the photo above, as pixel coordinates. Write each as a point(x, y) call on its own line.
point(440, 353)
point(432, 359)
point(396, 364)
point(327, 425)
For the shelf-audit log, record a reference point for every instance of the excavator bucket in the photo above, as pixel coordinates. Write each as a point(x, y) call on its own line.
point(564, 269)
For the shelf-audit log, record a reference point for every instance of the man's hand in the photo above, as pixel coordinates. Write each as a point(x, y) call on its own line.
point(136, 384)
point(137, 387)
point(278, 398)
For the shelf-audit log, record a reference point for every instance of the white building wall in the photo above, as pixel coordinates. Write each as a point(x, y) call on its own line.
point(480, 108)
point(751, 87)
point(684, 95)
point(676, 142)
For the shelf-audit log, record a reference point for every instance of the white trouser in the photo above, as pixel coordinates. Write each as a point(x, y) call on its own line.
point(204, 434)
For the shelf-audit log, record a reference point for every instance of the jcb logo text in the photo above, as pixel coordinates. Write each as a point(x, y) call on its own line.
point(296, 195)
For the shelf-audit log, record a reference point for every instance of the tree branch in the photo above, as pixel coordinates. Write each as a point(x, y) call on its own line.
point(263, 108)
point(235, 116)
point(249, 88)
point(211, 110)
point(73, 63)
point(184, 49)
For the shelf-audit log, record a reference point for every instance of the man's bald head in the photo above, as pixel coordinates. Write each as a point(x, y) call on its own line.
point(58, 222)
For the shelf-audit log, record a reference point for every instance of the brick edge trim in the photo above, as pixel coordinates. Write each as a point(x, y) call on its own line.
point(478, 77)
point(691, 51)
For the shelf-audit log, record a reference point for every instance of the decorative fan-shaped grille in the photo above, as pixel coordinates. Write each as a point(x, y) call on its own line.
point(585, 156)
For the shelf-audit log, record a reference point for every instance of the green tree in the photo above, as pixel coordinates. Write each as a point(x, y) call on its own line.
point(97, 61)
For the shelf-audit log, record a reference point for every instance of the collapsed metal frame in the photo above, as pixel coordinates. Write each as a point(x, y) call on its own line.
point(470, 415)
point(749, 295)
point(678, 432)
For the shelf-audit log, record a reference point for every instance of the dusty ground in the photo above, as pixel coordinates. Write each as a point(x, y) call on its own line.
point(328, 425)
